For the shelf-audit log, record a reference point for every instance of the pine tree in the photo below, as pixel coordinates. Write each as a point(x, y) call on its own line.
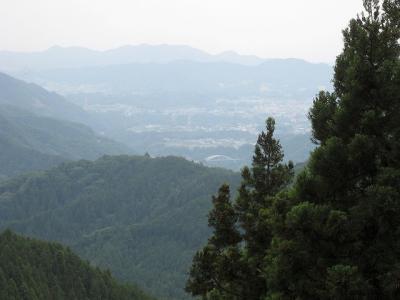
point(223, 219)
point(230, 265)
point(339, 238)
point(215, 268)
point(336, 233)
point(30, 270)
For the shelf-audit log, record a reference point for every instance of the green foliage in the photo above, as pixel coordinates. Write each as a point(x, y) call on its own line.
point(143, 218)
point(31, 142)
point(230, 265)
point(223, 218)
point(32, 269)
point(335, 234)
point(345, 282)
point(338, 239)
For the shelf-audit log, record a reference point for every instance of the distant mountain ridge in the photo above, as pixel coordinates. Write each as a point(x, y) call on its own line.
point(75, 57)
point(193, 77)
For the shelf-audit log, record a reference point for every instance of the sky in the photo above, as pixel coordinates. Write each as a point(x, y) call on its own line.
point(307, 29)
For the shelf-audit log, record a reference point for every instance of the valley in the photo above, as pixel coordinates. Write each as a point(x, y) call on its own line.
point(206, 111)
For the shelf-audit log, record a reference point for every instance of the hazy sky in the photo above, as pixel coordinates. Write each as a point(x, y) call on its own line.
point(309, 29)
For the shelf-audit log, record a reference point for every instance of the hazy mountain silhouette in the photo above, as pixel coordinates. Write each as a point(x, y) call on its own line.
point(67, 57)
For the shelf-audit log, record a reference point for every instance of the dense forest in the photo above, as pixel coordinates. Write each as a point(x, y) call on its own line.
point(34, 270)
point(141, 217)
point(335, 233)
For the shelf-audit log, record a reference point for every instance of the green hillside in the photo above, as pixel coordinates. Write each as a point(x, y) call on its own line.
point(143, 218)
point(31, 142)
point(36, 131)
point(35, 99)
point(33, 269)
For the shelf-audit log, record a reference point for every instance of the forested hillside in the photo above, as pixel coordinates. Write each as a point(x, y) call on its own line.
point(35, 99)
point(141, 217)
point(34, 270)
point(36, 131)
point(31, 142)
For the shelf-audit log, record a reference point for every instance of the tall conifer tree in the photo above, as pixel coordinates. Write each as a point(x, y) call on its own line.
point(336, 233)
point(340, 237)
point(230, 265)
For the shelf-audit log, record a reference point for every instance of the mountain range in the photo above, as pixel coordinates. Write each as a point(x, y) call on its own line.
point(189, 77)
point(67, 57)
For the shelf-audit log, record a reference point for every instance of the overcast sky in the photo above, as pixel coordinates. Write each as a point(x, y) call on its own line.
point(308, 29)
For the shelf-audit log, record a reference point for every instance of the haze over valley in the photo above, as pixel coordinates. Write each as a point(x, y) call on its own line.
point(178, 100)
